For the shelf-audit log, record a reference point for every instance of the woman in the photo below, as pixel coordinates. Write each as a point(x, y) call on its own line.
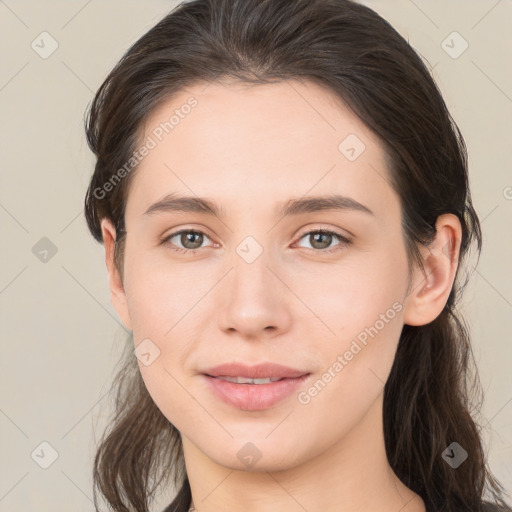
point(284, 202)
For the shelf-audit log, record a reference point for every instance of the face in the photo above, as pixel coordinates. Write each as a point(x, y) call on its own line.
point(255, 283)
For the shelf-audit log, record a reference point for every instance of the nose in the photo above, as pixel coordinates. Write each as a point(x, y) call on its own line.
point(255, 303)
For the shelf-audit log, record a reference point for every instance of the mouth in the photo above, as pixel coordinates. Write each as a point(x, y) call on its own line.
point(253, 394)
point(246, 380)
point(243, 372)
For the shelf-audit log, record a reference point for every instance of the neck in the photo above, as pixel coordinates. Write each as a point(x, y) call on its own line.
point(352, 475)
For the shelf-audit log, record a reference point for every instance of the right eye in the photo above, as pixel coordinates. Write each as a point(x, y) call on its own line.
point(186, 237)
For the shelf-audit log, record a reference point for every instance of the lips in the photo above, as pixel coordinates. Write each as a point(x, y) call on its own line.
point(259, 371)
point(254, 397)
point(244, 380)
point(254, 388)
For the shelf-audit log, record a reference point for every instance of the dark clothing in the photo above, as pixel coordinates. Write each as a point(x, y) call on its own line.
point(181, 504)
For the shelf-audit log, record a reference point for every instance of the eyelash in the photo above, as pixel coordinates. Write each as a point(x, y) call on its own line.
point(343, 239)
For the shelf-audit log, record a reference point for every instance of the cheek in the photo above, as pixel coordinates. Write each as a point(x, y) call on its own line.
point(169, 391)
point(356, 360)
point(354, 295)
point(363, 310)
point(159, 295)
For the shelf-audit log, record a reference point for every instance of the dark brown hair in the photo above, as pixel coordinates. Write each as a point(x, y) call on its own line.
point(433, 393)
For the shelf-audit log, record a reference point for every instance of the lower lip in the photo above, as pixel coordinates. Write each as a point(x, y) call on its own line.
point(254, 397)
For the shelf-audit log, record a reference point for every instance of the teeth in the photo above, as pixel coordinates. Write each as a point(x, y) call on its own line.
point(244, 380)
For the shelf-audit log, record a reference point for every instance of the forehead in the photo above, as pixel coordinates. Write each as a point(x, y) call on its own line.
point(243, 143)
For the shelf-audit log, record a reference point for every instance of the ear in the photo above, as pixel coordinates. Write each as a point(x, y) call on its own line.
point(430, 290)
point(117, 292)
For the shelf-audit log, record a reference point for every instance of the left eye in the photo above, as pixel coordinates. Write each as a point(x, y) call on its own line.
point(320, 238)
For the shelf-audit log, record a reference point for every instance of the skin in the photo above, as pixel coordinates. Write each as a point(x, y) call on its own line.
point(250, 148)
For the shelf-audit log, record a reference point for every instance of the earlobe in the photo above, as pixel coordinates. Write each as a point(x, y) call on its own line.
point(117, 290)
point(431, 288)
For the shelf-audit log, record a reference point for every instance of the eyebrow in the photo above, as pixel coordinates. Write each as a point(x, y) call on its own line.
point(309, 204)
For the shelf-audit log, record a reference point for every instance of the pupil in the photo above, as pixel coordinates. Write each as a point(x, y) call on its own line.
point(189, 238)
point(323, 244)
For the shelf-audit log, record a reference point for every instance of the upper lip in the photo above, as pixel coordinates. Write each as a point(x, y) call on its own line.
point(259, 371)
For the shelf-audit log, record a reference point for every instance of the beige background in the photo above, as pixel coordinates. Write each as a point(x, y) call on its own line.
point(61, 336)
